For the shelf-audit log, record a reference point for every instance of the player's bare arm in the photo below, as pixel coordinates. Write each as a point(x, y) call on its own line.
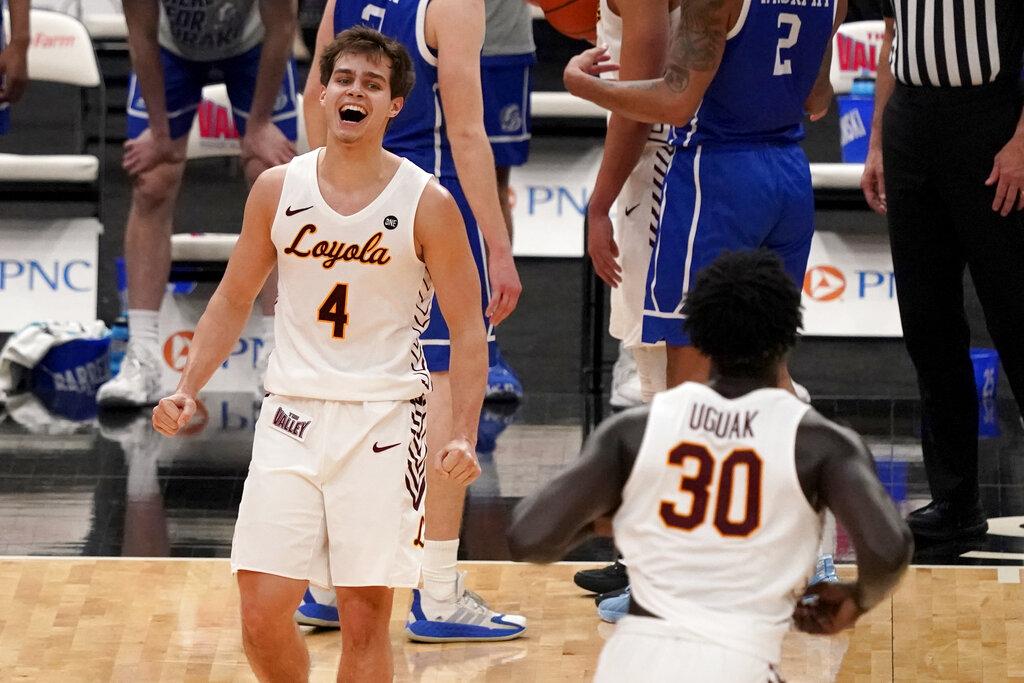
point(565, 512)
point(694, 54)
point(456, 29)
point(230, 306)
point(263, 140)
point(836, 471)
point(820, 99)
point(316, 124)
point(645, 34)
point(872, 182)
point(154, 146)
point(14, 57)
point(444, 248)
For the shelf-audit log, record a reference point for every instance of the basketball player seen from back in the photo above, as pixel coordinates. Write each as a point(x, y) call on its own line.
point(336, 487)
point(718, 493)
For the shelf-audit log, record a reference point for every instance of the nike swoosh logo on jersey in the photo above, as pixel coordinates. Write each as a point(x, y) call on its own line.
point(291, 212)
point(380, 449)
point(631, 209)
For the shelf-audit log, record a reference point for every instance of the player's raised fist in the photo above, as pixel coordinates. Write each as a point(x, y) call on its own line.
point(173, 412)
point(457, 462)
point(827, 608)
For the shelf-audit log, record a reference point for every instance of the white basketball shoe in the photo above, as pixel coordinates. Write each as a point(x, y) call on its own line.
point(138, 382)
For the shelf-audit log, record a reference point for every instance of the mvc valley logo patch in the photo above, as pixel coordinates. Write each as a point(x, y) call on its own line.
point(289, 422)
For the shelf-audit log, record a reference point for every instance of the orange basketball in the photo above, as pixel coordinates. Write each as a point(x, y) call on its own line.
point(574, 18)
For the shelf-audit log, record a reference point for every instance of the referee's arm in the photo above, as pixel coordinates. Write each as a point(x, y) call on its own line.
point(872, 182)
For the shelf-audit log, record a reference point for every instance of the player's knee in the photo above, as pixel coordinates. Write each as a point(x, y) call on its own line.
point(155, 188)
point(365, 620)
point(259, 627)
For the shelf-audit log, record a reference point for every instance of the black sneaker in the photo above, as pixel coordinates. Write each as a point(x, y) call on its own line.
point(601, 597)
point(603, 580)
point(943, 520)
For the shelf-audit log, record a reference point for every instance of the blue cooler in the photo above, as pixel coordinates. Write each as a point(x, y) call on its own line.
point(67, 377)
point(855, 112)
point(986, 379)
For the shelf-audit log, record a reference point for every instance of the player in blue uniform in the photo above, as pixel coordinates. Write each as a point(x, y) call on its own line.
point(13, 60)
point(741, 75)
point(441, 130)
point(177, 47)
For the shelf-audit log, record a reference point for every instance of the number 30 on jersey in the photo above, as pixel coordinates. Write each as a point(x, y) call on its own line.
point(715, 483)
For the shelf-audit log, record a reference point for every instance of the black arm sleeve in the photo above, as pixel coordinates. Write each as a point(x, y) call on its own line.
point(551, 521)
point(887, 9)
point(836, 471)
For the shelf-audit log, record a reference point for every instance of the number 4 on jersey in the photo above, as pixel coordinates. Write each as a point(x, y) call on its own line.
point(334, 310)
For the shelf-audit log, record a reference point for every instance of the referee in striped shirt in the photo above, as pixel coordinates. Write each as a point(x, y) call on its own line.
point(948, 132)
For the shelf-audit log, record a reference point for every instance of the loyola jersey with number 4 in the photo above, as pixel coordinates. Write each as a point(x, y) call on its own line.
point(717, 533)
point(353, 295)
point(771, 60)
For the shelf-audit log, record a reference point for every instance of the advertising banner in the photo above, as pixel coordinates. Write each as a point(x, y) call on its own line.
point(48, 271)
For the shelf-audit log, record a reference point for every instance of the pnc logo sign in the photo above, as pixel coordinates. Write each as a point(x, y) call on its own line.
point(824, 283)
point(176, 349)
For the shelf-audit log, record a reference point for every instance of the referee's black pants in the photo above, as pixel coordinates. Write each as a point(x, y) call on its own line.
point(938, 149)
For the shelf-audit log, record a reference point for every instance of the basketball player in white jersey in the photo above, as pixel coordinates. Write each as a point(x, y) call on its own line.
point(633, 168)
point(632, 173)
point(718, 493)
point(335, 492)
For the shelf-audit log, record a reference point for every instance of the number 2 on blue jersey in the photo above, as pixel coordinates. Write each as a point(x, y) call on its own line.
point(784, 67)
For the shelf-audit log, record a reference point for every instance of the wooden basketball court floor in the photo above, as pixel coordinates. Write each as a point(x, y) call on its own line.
point(84, 619)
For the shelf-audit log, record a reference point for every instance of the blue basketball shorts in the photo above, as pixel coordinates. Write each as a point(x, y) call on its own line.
point(5, 118)
point(507, 81)
point(436, 339)
point(183, 87)
point(721, 199)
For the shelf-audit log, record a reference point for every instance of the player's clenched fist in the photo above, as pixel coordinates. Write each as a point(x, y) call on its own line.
point(827, 608)
point(457, 461)
point(172, 413)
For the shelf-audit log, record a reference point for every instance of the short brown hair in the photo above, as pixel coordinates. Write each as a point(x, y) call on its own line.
point(363, 40)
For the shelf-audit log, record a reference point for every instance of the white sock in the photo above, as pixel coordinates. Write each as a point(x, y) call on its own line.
point(440, 573)
point(143, 327)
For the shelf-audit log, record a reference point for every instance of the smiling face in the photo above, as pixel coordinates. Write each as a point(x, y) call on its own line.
point(357, 99)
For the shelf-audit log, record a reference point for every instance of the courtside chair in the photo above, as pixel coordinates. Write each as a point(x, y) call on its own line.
point(60, 51)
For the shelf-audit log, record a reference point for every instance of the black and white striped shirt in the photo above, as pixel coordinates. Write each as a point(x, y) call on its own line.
point(953, 43)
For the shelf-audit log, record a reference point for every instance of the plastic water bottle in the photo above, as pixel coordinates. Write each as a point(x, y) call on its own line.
point(863, 86)
point(118, 343)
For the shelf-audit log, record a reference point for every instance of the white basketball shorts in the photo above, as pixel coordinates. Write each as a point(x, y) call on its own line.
point(336, 493)
point(635, 224)
point(650, 650)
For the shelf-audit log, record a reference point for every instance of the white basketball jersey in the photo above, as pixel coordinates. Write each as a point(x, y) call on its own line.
point(353, 296)
point(717, 533)
point(609, 32)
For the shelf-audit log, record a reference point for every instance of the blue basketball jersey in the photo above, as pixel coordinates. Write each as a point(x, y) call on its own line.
point(771, 61)
point(418, 133)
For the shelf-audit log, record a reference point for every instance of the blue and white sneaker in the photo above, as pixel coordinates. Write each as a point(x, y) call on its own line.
point(825, 571)
point(502, 382)
point(614, 608)
point(468, 618)
point(318, 608)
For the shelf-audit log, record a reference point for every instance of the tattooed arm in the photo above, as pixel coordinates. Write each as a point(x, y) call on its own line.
point(694, 56)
